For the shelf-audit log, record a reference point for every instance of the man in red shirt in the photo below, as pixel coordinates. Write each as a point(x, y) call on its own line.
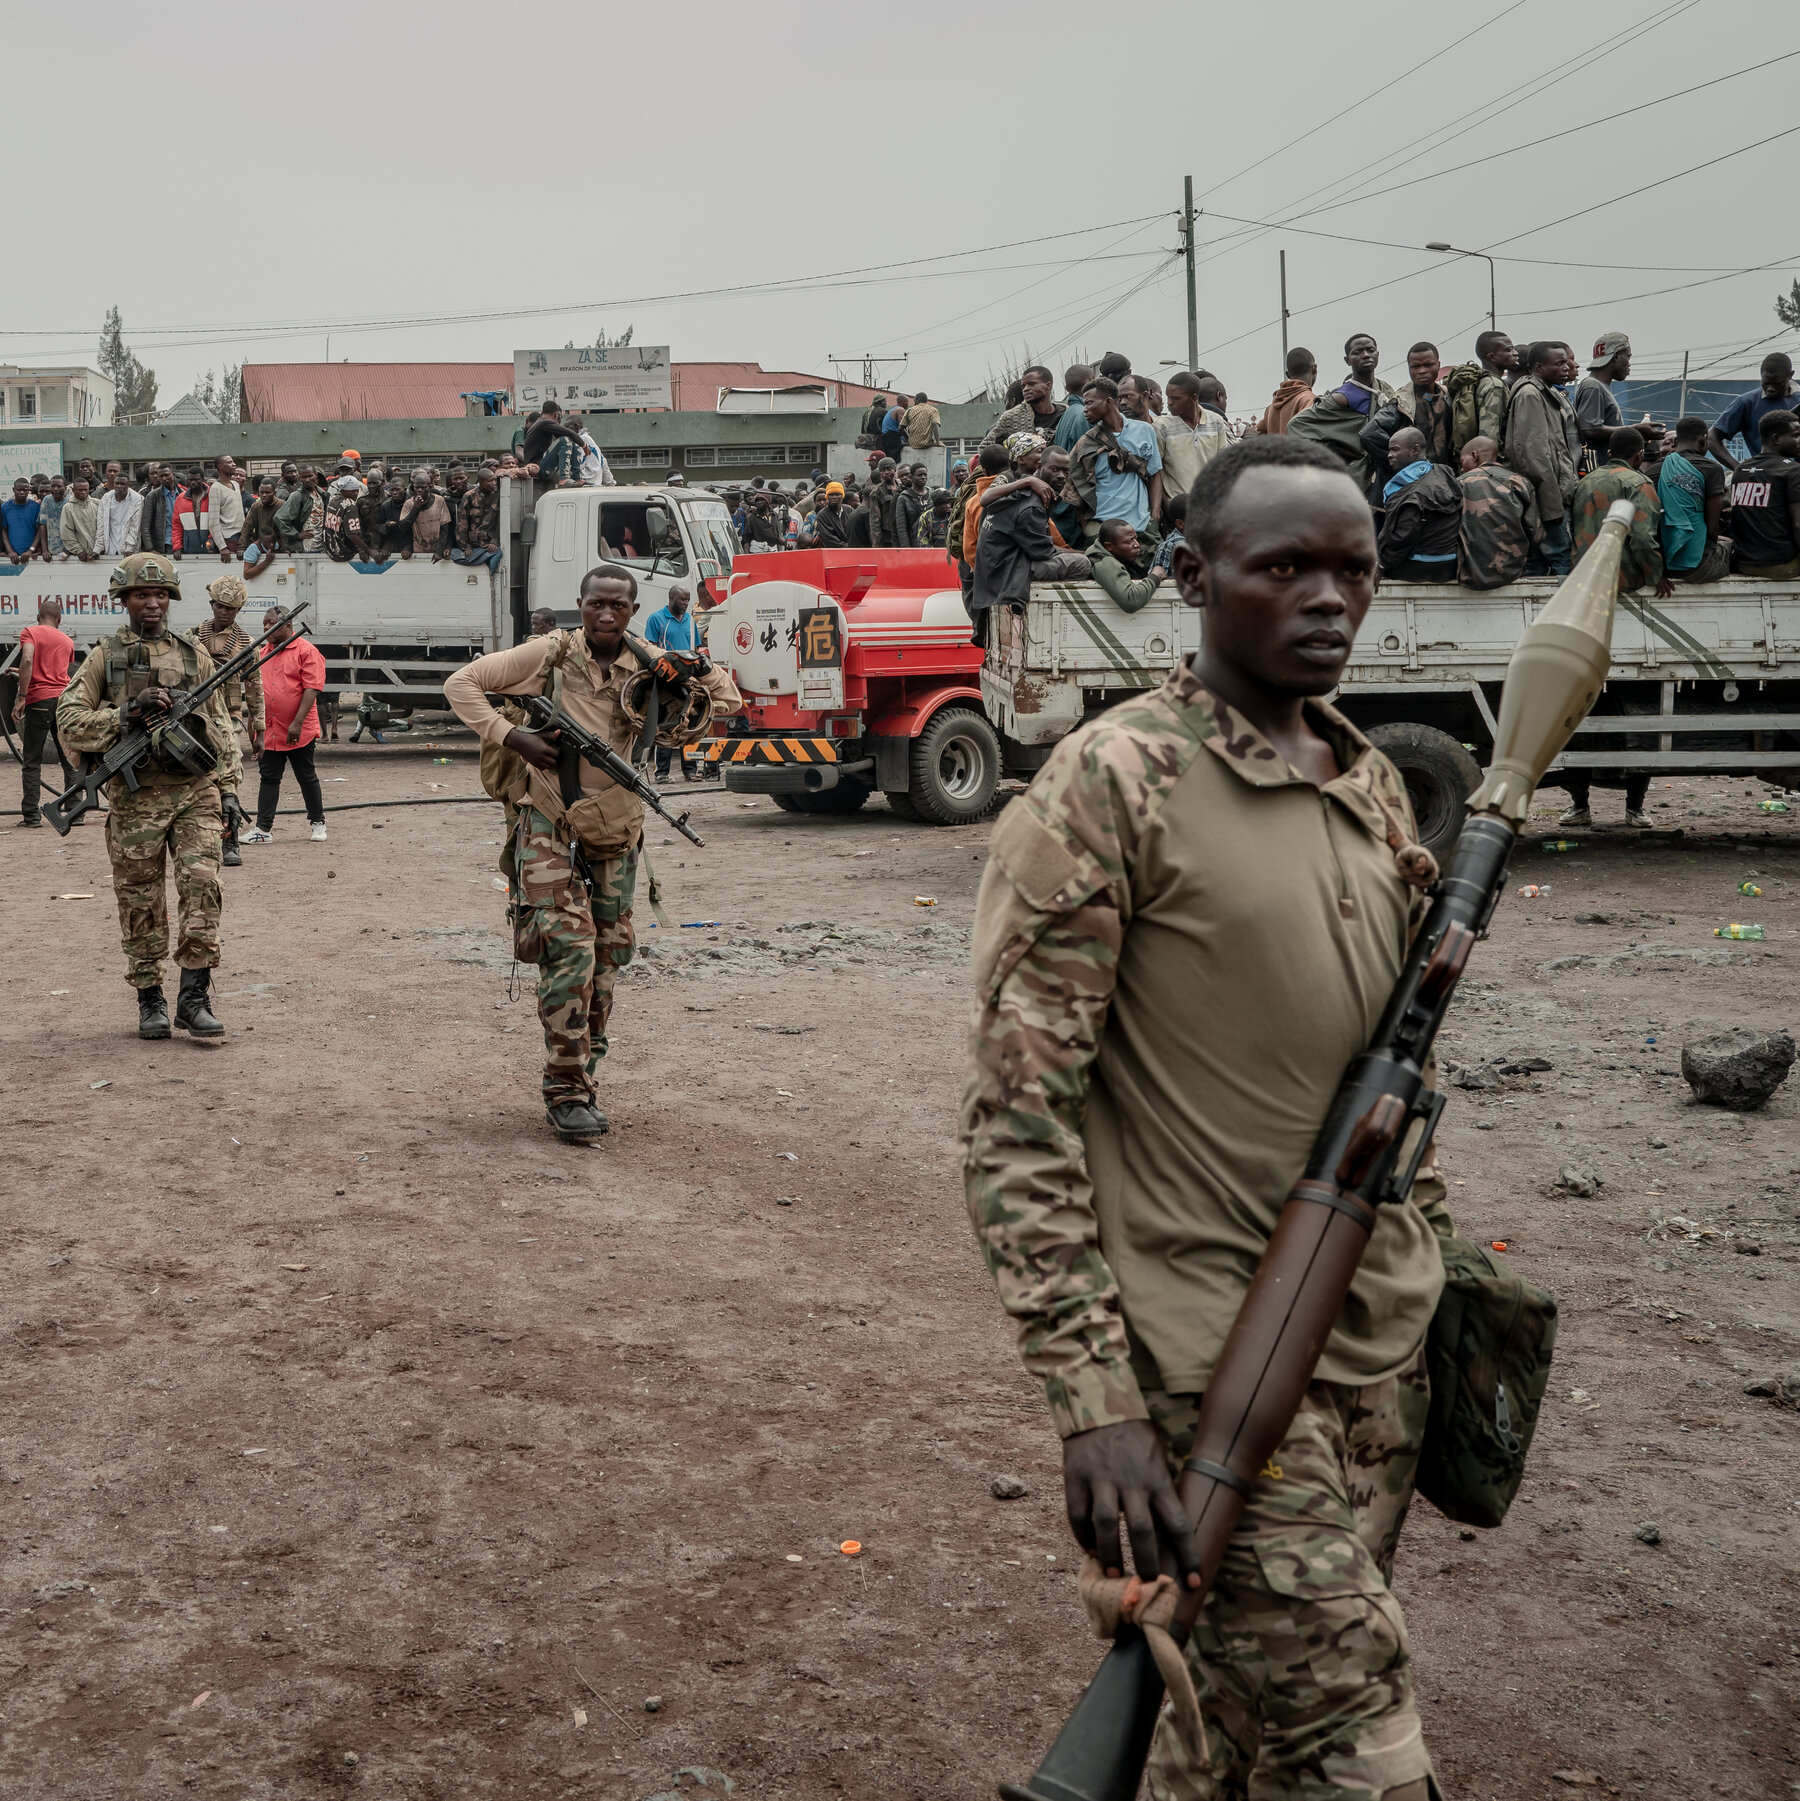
point(44, 653)
point(293, 676)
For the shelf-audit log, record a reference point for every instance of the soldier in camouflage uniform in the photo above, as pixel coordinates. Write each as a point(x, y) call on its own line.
point(222, 638)
point(574, 843)
point(1500, 527)
point(1188, 928)
point(1621, 477)
point(171, 816)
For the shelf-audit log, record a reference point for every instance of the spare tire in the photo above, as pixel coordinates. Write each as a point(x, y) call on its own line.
point(1439, 773)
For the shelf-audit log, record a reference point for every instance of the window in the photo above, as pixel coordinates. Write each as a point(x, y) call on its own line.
point(700, 459)
point(714, 456)
point(715, 543)
point(56, 403)
point(807, 454)
point(27, 408)
point(626, 536)
point(637, 459)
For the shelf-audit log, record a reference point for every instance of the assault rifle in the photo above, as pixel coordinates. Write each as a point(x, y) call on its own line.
point(1373, 1141)
point(170, 736)
point(576, 743)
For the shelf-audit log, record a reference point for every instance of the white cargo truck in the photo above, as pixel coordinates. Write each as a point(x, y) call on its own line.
point(1707, 682)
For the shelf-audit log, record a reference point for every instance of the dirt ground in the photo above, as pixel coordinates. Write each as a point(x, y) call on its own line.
point(360, 1437)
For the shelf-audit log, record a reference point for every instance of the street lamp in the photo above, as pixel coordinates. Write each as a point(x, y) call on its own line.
point(1451, 250)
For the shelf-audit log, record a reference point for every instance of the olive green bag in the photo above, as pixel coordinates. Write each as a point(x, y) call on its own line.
point(1488, 1353)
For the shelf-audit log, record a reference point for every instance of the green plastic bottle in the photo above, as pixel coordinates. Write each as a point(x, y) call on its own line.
point(1737, 931)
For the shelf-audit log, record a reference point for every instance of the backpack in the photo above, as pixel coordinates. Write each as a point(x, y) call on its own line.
point(1462, 384)
point(1488, 1355)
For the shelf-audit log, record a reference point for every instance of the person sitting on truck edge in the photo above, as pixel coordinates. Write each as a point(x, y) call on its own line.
point(1013, 546)
point(541, 433)
point(1121, 568)
point(1065, 512)
point(1116, 468)
point(1422, 513)
point(1691, 487)
point(477, 523)
point(1621, 477)
point(990, 464)
point(260, 555)
point(1745, 414)
point(1765, 504)
point(1500, 526)
point(1037, 410)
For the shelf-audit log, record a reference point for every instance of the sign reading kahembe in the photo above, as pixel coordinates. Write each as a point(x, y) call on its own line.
point(28, 460)
point(590, 378)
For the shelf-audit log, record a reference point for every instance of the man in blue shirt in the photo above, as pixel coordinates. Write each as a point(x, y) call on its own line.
point(20, 516)
point(1116, 469)
point(673, 627)
point(1745, 414)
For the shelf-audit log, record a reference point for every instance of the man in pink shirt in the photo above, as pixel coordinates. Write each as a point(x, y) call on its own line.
point(293, 676)
point(44, 653)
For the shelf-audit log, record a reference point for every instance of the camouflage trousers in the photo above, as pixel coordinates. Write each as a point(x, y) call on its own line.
point(579, 939)
point(1301, 1659)
point(143, 830)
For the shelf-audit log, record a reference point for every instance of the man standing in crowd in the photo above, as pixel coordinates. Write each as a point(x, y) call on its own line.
point(1037, 410)
point(1116, 468)
point(262, 516)
point(293, 678)
point(1538, 429)
point(1597, 414)
point(1073, 423)
point(156, 529)
point(121, 517)
point(1422, 401)
point(933, 530)
point(426, 519)
point(1336, 419)
point(1421, 513)
point(80, 523)
point(126, 681)
point(478, 523)
point(1188, 436)
point(1118, 1213)
point(883, 491)
point(1765, 503)
point(1134, 399)
point(1500, 526)
point(909, 502)
point(300, 519)
point(1691, 488)
point(191, 535)
point(1293, 394)
point(222, 638)
point(1745, 414)
point(50, 508)
point(225, 509)
point(830, 523)
point(1498, 359)
point(45, 651)
point(19, 516)
point(573, 856)
point(672, 627)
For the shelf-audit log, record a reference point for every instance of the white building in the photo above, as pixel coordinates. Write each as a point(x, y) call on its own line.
point(67, 394)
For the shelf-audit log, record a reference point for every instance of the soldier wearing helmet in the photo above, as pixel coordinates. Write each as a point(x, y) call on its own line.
point(222, 638)
point(172, 815)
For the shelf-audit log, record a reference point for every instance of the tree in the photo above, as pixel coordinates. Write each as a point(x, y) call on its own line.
point(224, 400)
point(604, 342)
point(134, 386)
point(1787, 307)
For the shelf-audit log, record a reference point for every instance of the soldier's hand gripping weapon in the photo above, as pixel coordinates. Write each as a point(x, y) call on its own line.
point(574, 741)
point(170, 735)
point(1368, 1151)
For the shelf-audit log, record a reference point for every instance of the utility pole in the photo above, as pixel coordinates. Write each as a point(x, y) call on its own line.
point(1284, 313)
point(1187, 238)
point(1681, 404)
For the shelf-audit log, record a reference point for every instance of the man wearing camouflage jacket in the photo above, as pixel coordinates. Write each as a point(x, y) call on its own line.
point(1188, 928)
point(1500, 526)
point(1541, 445)
point(222, 638)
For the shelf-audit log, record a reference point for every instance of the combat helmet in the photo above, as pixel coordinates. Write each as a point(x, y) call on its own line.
point(144, 569)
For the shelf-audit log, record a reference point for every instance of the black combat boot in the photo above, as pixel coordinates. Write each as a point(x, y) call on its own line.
point(191, 1011)
point(576, 1120)
point(153, 1013)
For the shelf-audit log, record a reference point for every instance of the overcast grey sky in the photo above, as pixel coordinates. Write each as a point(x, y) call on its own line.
point(251, 184)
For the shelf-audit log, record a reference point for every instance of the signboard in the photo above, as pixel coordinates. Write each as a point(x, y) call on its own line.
point(28, 459)
point(588, 379)
point(821, 647)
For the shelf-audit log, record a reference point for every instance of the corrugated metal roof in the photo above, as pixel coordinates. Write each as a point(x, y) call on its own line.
point(189, 410)
point(275, 393)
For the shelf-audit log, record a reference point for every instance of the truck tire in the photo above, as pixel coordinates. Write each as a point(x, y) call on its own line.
point(955, 768)
point(788, 803)
point(846, 797)
point(1439, 775)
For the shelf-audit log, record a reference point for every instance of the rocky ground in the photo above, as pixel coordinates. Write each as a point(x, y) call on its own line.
point(359, 1437)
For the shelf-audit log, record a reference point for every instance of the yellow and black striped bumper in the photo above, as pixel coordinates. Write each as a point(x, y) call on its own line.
point(771, 750)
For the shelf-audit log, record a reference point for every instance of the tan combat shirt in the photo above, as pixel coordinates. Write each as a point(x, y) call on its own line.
point(221, 646)
point(1180, 945)
point(88, 718)
point(590, 697)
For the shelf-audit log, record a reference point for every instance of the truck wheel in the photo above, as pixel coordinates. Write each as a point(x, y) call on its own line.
point(788, 803)
point(846, 797)
point(955, 768)
point(1439, 775)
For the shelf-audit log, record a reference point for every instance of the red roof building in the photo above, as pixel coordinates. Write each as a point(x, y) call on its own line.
point(277, 393)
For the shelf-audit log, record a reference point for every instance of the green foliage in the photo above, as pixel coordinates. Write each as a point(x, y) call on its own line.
point(1787, 307)
point(134, 386)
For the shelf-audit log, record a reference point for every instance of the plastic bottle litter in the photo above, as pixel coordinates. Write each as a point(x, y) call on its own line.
point(1749, 888)
point(699, 925)
point(1735, 931)
point(440, 759)
point(1536, 891)
point(924, 900)
point(1560, 844)
point(1771, 806)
